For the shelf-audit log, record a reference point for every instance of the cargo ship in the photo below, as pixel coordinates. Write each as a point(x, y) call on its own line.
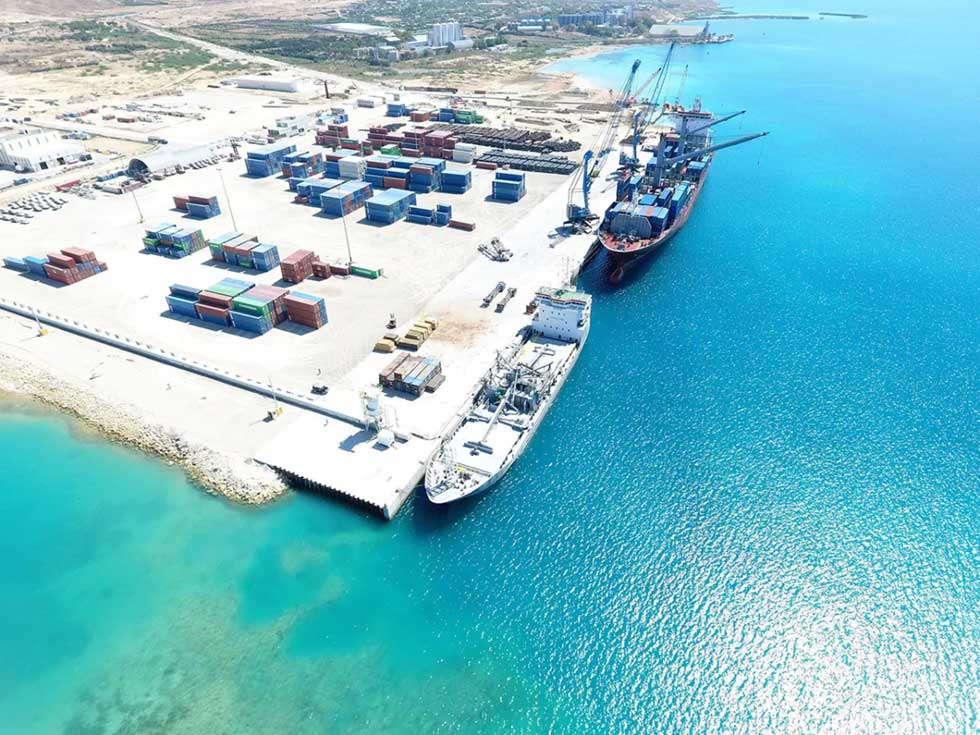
point(655, 203)
point(511, 399)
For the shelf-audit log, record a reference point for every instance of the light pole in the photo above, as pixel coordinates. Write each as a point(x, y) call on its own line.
point(350, 257)
point(137, 203)
point(224, 188)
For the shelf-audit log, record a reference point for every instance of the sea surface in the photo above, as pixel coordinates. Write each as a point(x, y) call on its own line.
point(754, 509)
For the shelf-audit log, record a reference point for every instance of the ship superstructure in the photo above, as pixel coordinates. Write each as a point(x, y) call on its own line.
point(512, 398)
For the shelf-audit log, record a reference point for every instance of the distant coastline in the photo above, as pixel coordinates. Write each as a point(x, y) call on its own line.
point(856, 16)
point(751, 16)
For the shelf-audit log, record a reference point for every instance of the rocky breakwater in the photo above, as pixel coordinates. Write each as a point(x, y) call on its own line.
point(236, 478)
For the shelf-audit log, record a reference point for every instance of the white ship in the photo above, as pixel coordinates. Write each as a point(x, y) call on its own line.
point(512, 398)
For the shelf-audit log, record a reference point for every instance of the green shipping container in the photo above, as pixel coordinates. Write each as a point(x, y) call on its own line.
point(357, 270)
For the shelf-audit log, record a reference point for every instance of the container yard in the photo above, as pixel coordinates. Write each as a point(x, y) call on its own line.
point(314, 245)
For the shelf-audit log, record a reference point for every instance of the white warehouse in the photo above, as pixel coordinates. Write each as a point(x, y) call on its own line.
point(271, 84)
point(33, 149)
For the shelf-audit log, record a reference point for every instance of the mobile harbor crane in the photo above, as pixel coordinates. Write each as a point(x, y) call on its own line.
point(579, 217)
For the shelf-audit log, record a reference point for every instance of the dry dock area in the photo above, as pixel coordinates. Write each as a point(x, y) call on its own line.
point(429, 272)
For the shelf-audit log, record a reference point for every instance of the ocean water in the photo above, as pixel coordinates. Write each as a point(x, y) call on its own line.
point(754, 509)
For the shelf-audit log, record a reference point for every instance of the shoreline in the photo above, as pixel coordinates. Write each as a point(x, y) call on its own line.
point(218, 473)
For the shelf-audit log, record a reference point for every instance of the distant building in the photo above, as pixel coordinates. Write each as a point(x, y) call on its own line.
point(33, 149)
point(461, 44)
point(357, 29)
point(607, 16)
point(442, 34)
point(530, 25)
point(273, 84)
point(387, 53)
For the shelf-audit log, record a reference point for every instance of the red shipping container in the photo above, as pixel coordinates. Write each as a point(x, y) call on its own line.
point(216, 300)
point(62, 261)
point(458, 225)
point(180, 203)
point(216, 311)
point(80, 255)
point(393, 182)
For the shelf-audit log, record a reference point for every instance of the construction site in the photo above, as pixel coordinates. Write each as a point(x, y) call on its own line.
point(361, 225)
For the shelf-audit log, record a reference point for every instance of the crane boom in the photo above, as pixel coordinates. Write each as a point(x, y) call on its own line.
point(710, 149)
point(594, 158)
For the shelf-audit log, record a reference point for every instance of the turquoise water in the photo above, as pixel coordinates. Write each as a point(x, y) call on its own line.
point(755, 509)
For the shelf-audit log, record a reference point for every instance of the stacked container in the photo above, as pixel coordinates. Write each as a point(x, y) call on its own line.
point(215, 245)
point(420, 215)
point(464, 153)
point(423, 179)
point(332, 135)
point(315, 189)
point(259, 309)
point(438, 143)
point(183, 300)
point(444, 213)
point(238, 247)
point(267, 160)
point(298, 266)
point(173, 241)
point(679, 199)
point(389, 206)
point(331, 162)
point(203, 207)
point(265, 257)
point(35, 265)
point(352, 167)
point(456, 181)
point(508, 186)
point(376, 169)
point(71, 265)
point(695, 170)
point(397, 109)
point(346, 198)
point(310, 311)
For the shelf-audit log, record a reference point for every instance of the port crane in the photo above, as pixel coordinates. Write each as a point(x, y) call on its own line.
point(580, 217)
point(643, 117)
point(661, 163)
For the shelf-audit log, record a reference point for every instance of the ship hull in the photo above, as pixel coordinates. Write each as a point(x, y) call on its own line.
point(621, 259)
point(448, 496)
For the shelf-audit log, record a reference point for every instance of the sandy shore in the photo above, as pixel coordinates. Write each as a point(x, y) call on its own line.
point(220, 473)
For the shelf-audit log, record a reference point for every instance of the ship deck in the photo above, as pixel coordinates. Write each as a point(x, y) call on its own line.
point(540, 352)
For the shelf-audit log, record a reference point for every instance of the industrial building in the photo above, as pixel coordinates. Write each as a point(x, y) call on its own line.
point(442, 34)
point(170, 158)
point(33, 149)
point(272, 84)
